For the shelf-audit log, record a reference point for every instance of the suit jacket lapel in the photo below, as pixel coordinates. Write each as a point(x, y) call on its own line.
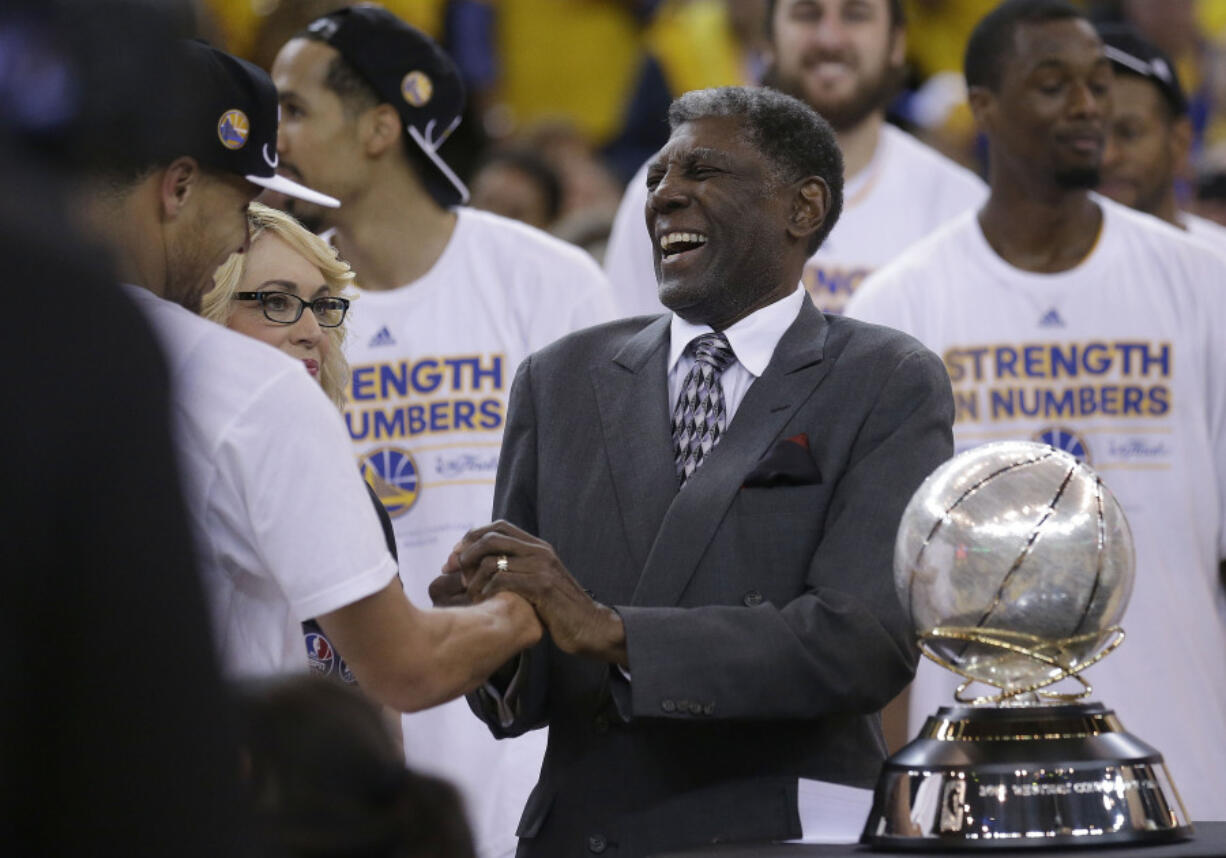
point(795, 370)
point(632, 396)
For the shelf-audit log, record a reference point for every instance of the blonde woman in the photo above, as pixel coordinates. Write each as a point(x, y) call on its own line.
point(287, 290)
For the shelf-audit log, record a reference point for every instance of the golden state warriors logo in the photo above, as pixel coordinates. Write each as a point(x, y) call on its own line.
point(417, 88)
point(392, 473)
point(233, 129)
point(1066, 440)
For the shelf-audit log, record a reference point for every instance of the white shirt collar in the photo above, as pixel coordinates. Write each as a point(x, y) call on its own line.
point(753, 338)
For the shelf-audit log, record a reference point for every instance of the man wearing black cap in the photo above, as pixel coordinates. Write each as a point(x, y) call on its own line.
point(284, 529)
point(1150, 134)
point(452, 299)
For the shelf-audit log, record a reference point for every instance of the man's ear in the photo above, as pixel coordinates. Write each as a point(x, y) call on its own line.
point(1181, 144)
point(810, 206)
point(179, 181)
point(381, 129)
point(898, 47)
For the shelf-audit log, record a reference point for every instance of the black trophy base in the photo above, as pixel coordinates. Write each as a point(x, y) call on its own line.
point(981, 778)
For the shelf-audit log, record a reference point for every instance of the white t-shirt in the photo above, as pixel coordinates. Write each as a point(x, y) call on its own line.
point(284, 528)
point(432, 364)
point(1208, 231)
point(1120, 361)
point(905, 192)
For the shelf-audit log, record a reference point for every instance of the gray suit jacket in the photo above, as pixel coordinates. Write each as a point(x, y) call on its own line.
point(761, 622)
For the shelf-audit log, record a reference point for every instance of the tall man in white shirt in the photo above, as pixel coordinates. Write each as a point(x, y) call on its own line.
point(451, 299)
point(284, 528)
point(1066, 318)
point(1150, 135)
point(721, 606)
point(844, 58)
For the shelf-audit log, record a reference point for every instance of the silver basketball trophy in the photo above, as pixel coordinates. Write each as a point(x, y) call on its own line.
point(1015, 564)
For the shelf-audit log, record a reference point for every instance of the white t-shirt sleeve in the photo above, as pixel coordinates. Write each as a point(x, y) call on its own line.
point(1213, 271)
point(628, 259)
point(311, 519)
point(594, 303)
point(881, 299)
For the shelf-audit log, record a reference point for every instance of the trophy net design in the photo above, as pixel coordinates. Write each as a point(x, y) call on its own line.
point(1015, 563)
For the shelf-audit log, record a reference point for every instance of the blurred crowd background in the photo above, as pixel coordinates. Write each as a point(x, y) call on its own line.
point(568, 97)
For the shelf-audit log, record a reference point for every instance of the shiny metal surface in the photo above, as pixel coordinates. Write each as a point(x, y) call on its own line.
point(987, 778)
point(1015, 563)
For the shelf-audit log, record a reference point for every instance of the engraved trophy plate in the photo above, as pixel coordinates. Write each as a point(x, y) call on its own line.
point(1015, 563)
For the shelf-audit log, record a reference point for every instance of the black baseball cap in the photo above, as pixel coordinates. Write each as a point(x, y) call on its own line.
point(229, 121)
point(409, 71)
point(1132, 53)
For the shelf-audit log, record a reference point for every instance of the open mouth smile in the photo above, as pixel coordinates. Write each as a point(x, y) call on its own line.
point(676, 243)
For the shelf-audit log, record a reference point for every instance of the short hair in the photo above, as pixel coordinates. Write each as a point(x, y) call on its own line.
point(898, 17)
point(790, 133)
point(324, 777)
point(353, 90)
point(357, 94)
point(991, 42)
point(218, 304)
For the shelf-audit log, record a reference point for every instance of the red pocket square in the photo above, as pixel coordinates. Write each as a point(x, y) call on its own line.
point(787, 463)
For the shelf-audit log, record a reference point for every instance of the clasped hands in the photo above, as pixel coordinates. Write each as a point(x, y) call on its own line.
point(577, 623)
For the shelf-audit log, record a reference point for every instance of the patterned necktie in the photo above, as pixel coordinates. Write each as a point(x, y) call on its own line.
point(698, 417)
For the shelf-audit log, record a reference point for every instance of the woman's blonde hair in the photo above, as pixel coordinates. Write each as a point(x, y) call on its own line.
point(218, 304)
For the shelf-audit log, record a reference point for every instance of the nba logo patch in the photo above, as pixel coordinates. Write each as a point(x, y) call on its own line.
point(393, 475)
point(233, 129)
point(417, 88)
point(320, 654)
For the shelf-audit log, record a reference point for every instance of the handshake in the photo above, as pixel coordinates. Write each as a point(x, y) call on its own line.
point(501, 558)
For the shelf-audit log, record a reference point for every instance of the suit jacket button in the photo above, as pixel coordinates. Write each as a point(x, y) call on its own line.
point(668, 706)
point(709, 709)
point(596, 843)
point(752, 599)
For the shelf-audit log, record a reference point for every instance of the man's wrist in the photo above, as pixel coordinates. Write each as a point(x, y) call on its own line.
point(607, 641)
point(522, 616)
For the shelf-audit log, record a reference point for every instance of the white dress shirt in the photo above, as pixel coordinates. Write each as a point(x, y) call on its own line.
point(753, 340)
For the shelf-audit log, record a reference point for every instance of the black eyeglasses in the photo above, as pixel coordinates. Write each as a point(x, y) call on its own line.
point(285, 309)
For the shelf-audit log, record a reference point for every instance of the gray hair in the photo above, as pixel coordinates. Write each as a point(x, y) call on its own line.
point(792, 136)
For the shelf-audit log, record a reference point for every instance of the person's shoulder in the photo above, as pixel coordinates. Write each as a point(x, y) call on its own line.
point(205, 355)
point(515, 244)
point(599, 342)
point(1153, 235)
point(931, 253)
point(862, 340)
point(921, 162)
point(931, 263)
point(1208, 231)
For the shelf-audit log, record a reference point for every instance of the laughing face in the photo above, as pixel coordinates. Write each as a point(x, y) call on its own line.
point(718, 218)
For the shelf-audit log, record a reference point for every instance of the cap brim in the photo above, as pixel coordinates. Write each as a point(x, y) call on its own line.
point(290, 188)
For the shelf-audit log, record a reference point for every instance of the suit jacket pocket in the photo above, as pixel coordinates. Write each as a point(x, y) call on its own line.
point(773, 535)
point(784, 501)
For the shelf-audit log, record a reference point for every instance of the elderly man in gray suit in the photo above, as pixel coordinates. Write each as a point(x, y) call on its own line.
point(702, 507)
